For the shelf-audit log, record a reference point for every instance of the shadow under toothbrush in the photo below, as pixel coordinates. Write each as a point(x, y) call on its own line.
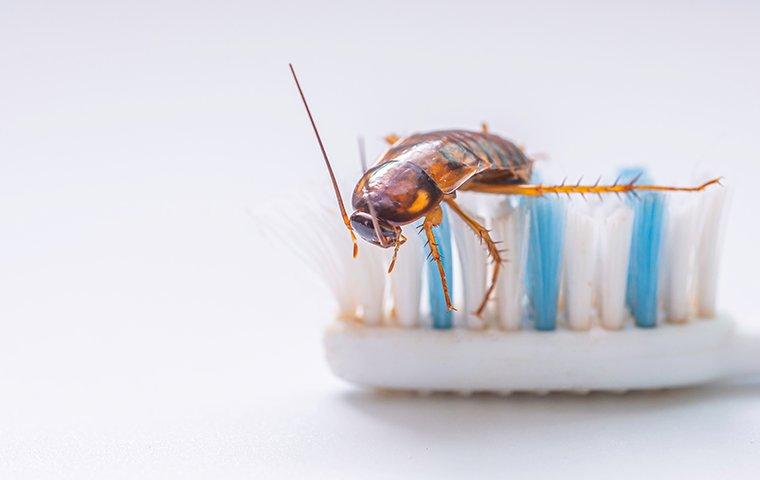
point(487, 411)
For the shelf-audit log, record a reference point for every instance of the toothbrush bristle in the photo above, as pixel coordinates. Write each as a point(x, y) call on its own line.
point(511, 226)
point(544, 267)
point(580, 264)
point(644, 262)
point(474, 261)
point(711, 210)
point(571, 264)
point(614, 237)
point(406, 279)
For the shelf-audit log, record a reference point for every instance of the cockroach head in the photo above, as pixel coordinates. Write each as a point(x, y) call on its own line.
point(390, 195)
point(397, 192)
point(375, 231)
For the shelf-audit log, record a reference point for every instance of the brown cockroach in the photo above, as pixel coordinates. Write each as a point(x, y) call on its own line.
point(416, 173)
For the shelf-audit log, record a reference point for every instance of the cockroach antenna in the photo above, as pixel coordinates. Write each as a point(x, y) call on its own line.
point(363, 161)
point(362, 153)
point(327, 163)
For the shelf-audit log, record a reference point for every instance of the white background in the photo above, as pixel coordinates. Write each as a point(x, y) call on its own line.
point(149, 330)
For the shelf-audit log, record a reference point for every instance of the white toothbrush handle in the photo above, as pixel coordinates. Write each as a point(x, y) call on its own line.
point(465, 360)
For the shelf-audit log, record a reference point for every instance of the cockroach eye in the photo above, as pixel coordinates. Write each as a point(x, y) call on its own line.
point(365, 227)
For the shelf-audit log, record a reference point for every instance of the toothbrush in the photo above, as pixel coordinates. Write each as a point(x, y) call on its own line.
point(574, 268)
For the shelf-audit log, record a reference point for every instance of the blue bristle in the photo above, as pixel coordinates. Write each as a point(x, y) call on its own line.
point(547, 227)
point(442, 317)
point(644, 262)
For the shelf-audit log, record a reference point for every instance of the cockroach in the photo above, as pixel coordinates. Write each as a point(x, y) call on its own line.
point(411, 179)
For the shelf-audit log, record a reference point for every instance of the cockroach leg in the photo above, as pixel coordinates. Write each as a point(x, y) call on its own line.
point(624, 188)
point(391, 138)
point(433, 219)
point(399, 240)
point(493, 250)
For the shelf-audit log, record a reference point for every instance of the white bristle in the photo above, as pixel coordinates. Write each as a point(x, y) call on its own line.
point(327, 251)
point(616, 224)
point(579, 265)
point(678, 257)
point(474, 261)
point(370, 279)
point(511, 227)
point(712, 209)
point(426, 320)
point(406, 284)
point(357, 285)
point(331, 253)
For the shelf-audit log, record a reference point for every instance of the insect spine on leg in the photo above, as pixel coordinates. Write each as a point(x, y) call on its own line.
point(433, 219)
